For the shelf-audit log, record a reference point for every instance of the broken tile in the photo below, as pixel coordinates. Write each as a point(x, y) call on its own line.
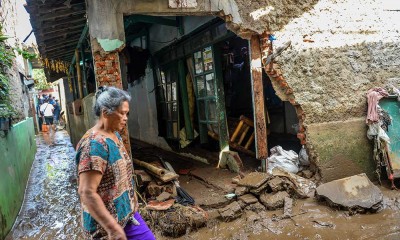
point(248, 199)
point(273, 200)
point(231, 212)
point(254, 179)
point(352, 193)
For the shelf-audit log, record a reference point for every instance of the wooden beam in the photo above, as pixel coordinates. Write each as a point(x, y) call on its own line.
point(61, 35)
point(84, 80)
point(60, 24)
point(39, 32)
point(260, 128)
point(78, 73)
point(60, 14)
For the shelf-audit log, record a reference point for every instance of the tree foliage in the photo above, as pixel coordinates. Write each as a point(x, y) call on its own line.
point(40, 79)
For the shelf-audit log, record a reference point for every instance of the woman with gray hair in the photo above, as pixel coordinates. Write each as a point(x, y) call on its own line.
point(105, 174)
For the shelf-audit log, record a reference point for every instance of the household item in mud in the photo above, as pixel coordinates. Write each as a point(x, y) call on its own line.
point(183, 197)
point(162, 174)
point(303, 157)
point(287, 160)
point(242, 138)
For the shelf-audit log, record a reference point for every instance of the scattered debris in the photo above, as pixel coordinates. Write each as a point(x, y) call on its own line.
point(153, 189)
point(254, 179)
point(273, 201)
point(288, 207)
point(176, 221)
point(323, 224)
point(163, 196)
point(356, 193)
point(276, 184)
point(231, 160)
point(160, 206)
point(230, 195)
point(231, 212)
point(260, 189)
point(239, 191)
point(256, 207)
point(248, 199)
point(304, 188)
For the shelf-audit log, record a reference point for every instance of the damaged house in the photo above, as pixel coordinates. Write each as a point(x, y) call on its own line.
point(223, 82)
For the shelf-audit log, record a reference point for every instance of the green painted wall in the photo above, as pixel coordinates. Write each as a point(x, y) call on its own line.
point(343, 148)
point(17, 152)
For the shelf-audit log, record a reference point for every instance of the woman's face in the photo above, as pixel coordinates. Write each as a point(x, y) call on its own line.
point(118, 119)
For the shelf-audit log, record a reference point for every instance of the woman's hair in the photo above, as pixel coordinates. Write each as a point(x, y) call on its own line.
point(109, 99)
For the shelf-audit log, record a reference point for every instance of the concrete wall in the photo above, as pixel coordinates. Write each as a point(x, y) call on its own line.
point(343, 148)
point(142, 122)
point(17, 152)
point(339, 51)
point(79, 124)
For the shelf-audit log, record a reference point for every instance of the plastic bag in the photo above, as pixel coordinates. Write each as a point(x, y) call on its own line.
point(288, 160)
point(303, 157)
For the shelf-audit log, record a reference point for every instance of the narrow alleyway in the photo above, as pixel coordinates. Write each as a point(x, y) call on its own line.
point(51, 209)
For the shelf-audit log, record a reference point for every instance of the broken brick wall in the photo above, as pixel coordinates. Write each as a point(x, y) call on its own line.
point(339, 50)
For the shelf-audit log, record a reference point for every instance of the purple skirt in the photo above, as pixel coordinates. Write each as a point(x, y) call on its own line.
point(141, 232)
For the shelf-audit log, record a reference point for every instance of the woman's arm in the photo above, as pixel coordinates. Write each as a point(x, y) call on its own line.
point(88, 184)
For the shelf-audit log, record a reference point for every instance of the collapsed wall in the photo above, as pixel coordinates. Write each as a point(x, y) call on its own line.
point(339, 50)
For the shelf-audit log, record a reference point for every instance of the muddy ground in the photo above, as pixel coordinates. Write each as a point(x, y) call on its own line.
point(51, 208)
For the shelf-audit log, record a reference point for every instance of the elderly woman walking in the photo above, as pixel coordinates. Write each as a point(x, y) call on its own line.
point(105, 174)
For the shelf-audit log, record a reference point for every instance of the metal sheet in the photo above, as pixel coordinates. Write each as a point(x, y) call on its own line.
point(392, 106)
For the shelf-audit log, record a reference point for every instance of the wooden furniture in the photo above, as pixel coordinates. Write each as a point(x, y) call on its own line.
point(242, 138)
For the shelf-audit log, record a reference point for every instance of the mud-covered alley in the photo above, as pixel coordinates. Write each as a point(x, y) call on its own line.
point(51, 207)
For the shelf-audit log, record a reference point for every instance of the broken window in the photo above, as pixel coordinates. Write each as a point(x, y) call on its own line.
point(205, 91)
point(168, 99)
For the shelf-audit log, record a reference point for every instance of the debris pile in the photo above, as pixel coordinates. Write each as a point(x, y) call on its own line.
point(168, 206)
point(357, 194)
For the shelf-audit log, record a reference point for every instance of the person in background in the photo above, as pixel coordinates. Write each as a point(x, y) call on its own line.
point(46, 110)
point(56, 112)
point(105, 174)
point(52, 99)
point(39, 115)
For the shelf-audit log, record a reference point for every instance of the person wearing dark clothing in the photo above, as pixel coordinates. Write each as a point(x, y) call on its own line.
point(56, 112)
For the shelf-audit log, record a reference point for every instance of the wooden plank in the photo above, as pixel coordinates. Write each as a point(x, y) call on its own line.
point(84, 80)
point(246, 129)
point(258, 100)
point(185, 101)
point(221, 111)
point(78, 73)
point(250, 141)
point(236, 132)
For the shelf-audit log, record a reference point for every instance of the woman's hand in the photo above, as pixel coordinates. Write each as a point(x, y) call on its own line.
point(117, 233)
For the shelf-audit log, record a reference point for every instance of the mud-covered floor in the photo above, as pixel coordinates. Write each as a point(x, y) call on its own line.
point(51, 207)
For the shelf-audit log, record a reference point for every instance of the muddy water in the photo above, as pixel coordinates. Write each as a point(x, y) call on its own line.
point(51, 207)
point(311, 220)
